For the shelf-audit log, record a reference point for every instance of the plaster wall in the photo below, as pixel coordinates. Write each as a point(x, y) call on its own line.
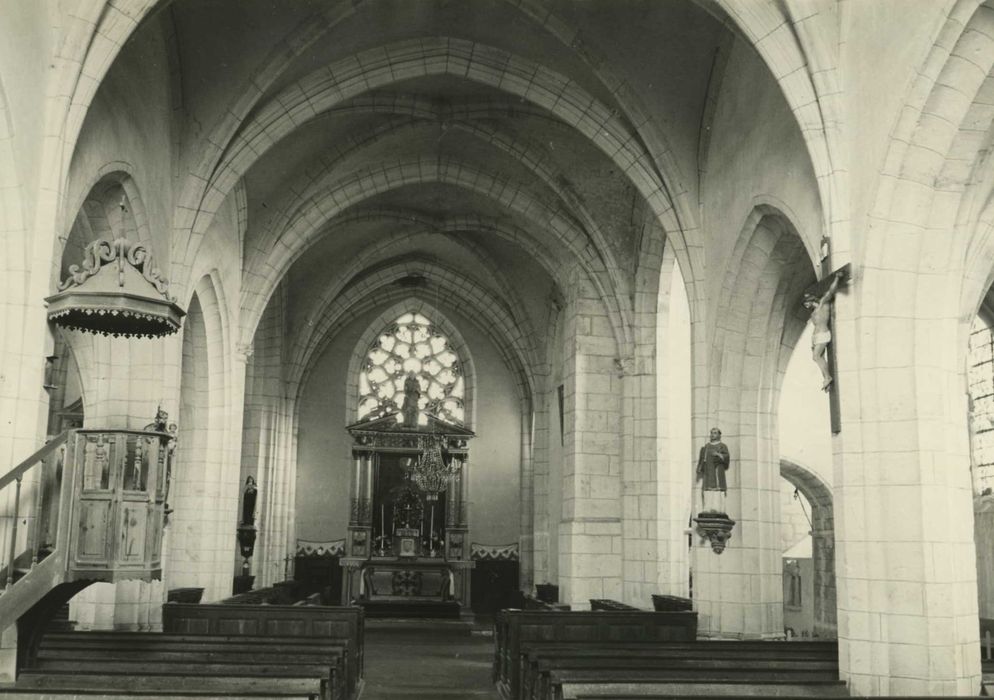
point(324, 459)
point(983, 509)
point(894, 37)
point(24, 55)
point(129, 127)
point(638, 41)
point(794, 525)
point(805, 423)
point(675, 450)
point(756, 156)
point(557, 452)
point(800, 619)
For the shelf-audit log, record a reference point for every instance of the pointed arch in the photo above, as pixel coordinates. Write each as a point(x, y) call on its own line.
point(819, 495)
point(456, 342)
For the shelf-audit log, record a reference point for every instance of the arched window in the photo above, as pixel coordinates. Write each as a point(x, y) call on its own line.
point(981, 383)
point(412, 345)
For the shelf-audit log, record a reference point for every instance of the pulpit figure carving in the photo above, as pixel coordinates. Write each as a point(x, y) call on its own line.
point(712, 464)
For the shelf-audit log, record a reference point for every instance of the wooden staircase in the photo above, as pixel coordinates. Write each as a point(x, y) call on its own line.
point(86, 507)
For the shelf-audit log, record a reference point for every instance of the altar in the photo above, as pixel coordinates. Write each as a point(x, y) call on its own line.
point(408, 533)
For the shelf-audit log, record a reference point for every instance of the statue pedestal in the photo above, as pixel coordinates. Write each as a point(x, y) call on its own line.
point(716, 527)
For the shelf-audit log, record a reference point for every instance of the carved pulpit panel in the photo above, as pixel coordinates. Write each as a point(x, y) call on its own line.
point(119, 504)
point(93, 545)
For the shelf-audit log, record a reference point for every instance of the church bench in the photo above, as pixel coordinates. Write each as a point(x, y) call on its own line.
point(513, 628)
point(539, 658)
point(133, 694)
point(537, 683)
point(207, 655)
point(620, 690)
point(311, 686)
point(331, 677)
point(329, 623)
point(608, 604)
point(533, 603)
point(198, 654)
point(140, 645)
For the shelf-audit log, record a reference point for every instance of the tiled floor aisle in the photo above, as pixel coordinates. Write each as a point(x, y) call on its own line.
point(427, 659)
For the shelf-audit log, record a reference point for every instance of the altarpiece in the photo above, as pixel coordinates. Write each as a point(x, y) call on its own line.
point(408, 532)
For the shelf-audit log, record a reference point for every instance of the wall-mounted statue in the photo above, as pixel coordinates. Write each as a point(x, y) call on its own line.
point(712, 464)
point(412, 395)
point(248, 501)
point(821, 334)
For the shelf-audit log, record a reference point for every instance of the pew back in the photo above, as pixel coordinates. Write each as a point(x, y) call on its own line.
point(514, 628)
point(333, 624)
point(92, 659)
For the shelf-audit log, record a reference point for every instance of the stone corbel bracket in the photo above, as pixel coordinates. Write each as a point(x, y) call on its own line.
point(716, 527)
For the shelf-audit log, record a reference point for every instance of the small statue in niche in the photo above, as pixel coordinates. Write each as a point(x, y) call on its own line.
point(821, 334)
point(412, 396)
point(248, 501)
point(712, 464)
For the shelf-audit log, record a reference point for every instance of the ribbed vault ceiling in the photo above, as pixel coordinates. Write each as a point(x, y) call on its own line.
point(508, 141)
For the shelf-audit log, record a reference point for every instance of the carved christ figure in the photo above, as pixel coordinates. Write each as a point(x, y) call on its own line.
point(821, 335)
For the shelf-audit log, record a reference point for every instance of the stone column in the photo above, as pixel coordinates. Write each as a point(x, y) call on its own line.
point(540, 495)
point(904, 550)
point(590, 533)
point(640, 526)
point(738, 592)
point(526, 540)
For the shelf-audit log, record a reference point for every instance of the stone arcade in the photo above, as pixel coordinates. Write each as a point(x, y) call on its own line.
point(578, 233)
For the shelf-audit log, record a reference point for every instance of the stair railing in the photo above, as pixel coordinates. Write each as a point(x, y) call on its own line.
point(46, 470)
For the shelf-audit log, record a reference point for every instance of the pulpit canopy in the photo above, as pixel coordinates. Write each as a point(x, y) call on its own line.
point(118, 291)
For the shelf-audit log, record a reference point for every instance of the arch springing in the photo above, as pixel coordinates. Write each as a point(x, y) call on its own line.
point(412, 345)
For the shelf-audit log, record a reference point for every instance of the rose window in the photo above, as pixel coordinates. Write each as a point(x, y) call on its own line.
point(412, 345)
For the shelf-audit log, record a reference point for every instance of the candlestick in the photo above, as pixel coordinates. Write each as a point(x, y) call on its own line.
point(431, 532)
point(383, 532)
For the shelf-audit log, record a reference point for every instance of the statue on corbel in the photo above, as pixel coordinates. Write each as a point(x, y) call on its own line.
point(246, 529)
point(713, 522)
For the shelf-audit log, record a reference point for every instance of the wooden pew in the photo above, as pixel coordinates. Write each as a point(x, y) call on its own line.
point(105, 654)
point(137, 694)
point(342, 625)
point(514, 628)
point(681, 661)
point(569, 687)
point(608, 604)
point(271, 685)
point(533, 603)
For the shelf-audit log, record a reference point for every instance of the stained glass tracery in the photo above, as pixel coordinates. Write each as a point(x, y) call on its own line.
point(412, 345)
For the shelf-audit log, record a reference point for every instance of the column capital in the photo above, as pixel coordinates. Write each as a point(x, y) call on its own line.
point(243, 351)
point(625, 365)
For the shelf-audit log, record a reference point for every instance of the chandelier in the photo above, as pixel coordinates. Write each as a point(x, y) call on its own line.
point(430, 473)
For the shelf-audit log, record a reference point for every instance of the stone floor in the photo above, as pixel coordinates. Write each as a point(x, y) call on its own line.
point(428, 659)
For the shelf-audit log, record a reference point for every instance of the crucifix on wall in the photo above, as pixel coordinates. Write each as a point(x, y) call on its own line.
point(819, 300)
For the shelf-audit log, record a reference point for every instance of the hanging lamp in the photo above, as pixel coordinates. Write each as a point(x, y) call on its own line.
point(116, 291)
point(430, 473)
